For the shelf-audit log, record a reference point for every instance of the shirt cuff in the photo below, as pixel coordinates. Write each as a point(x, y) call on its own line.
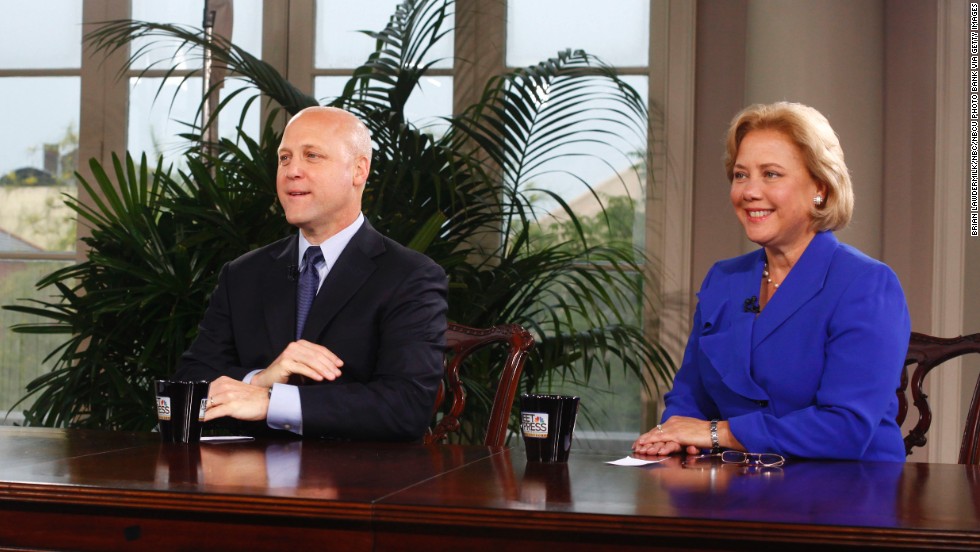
point(285, 411)
point(248, 377)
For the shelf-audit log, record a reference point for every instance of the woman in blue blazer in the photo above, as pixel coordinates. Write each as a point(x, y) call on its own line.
point(796, 348)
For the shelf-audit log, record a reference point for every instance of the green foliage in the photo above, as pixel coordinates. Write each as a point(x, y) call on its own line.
point(132, 306)
point(465, 198)
point(613, 227)
point(22, 356)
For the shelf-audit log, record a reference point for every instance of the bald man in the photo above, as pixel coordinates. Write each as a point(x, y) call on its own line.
point(369, 351)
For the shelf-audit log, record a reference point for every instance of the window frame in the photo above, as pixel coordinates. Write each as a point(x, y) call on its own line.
point(480, 37)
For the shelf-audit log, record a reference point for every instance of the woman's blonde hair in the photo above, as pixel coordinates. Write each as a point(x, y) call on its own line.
point(824, 158)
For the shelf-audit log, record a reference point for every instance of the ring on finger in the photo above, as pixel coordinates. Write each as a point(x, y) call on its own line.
point(660, 428)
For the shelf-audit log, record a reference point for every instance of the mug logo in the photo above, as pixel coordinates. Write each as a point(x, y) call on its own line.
point(204, 407)
point(535, 424)
point(163, 408)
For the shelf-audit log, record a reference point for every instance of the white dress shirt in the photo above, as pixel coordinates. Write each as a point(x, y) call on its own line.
point(285, 411)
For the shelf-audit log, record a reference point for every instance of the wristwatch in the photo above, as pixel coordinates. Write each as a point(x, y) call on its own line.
point(715, 446)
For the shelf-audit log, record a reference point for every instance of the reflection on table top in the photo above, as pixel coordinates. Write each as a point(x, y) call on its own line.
point(867, 494)
point(113, 467)
point(473, 486)
point(812, 503)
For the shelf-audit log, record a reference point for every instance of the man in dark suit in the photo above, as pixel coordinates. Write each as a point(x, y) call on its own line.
point(369, 351)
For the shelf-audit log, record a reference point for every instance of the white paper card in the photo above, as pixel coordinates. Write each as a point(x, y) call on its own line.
point(630, 461)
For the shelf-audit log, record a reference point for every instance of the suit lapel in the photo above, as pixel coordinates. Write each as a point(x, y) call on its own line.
point(805, 280)
point(351, 271)
point(279, 301)
point(730, 349)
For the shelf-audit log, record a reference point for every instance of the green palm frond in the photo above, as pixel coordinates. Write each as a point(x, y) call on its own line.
point(191, 42)
point(531, 117)
point(402, 56)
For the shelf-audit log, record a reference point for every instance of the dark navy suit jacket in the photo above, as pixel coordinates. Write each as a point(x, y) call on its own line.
point(381, 309)
point(814, 375)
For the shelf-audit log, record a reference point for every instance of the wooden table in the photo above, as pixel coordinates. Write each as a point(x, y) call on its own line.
point(63, 489)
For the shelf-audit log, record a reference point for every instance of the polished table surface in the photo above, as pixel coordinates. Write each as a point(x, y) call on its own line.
point(67, 489)
point(818, 504)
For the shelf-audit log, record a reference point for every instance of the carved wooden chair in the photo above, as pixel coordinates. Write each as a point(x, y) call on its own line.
point(461, 341)
point(927, 352)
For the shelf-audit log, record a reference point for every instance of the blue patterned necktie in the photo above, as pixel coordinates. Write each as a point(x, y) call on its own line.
point(309, 281)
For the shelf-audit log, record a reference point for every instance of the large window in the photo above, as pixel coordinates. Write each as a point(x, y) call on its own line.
point(157, 116)
point(316, 44)
point(535, 31)
point(40, 89)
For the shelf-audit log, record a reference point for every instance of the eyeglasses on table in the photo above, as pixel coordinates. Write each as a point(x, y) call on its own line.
point(751, 459)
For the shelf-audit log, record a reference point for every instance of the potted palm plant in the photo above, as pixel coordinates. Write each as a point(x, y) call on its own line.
point(466, 198)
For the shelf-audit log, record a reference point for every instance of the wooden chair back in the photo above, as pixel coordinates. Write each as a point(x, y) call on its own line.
point(926, 352)
point(461, 341)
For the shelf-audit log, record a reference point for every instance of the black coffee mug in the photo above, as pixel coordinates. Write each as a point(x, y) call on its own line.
point(547, 423)
point(180, 410)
